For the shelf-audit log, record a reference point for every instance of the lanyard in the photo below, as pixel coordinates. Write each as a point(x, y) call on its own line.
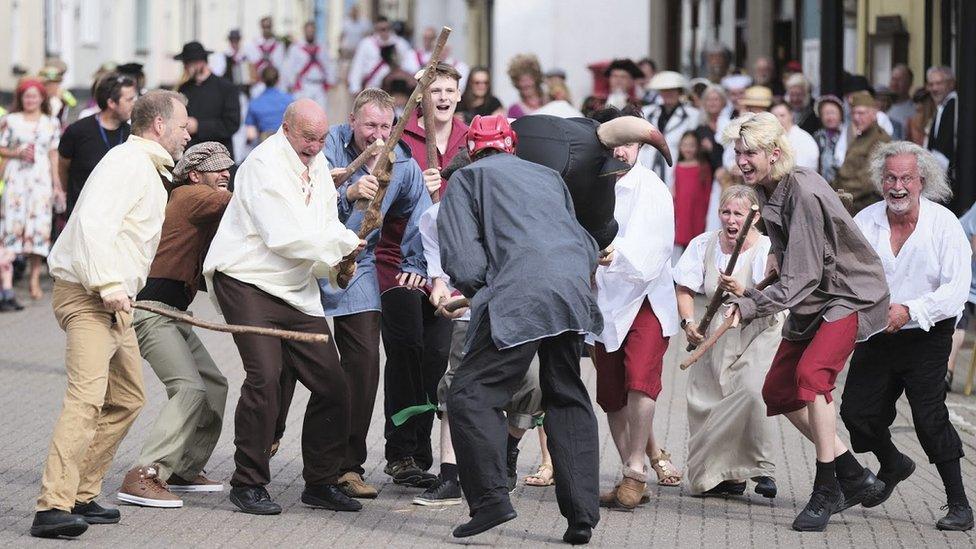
point(101, 131)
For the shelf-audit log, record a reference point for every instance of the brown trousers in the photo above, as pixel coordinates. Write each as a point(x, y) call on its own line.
point(316, 365)
point(358, 338)
point(103, 397)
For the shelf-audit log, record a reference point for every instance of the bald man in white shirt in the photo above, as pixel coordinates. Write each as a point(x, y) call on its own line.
point(926, 259)
point(280, 231)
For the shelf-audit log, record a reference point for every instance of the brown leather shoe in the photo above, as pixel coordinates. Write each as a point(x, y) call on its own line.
point(142, 486)
point(629, 492)
point(353, 485)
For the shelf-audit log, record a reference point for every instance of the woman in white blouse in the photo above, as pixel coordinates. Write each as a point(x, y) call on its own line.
point(729, 439)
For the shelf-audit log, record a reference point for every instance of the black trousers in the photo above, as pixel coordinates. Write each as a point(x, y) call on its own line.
point(316, 365)
point(909, 361)
point(483, 386)
point(357, 336)
point(417, 343)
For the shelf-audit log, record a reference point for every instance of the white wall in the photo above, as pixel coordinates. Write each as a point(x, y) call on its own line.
point(439, 13)
point(568, 34)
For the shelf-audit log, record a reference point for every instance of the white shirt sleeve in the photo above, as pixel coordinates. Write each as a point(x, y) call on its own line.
point(428, 235)
point(690, 269)
point(955, 276)
point(644, 249)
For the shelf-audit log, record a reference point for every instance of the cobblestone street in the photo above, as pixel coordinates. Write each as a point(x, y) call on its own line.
point(33, 382)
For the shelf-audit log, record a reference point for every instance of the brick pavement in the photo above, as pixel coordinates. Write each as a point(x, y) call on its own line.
point(32, 384)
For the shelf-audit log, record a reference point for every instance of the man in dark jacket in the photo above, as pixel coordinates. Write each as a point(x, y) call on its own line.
point(511, 244)
point(213, 103)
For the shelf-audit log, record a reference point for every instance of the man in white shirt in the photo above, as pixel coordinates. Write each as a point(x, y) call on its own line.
point(99, 263)
point(367, 68)
point(280, 231)
point(926, 258)
point(309, 69)
point(263, 52)
point(804, 146)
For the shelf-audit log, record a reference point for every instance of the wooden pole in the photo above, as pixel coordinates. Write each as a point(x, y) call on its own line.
point(359, 162)
point(306, 337)
point(729, 269)
point(430, 139)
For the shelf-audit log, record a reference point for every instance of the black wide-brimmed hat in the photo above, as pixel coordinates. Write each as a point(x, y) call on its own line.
point(624, 65)
point(193, 51)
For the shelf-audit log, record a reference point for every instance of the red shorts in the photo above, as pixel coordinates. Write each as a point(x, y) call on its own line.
point(635, 366)
point(802, 370)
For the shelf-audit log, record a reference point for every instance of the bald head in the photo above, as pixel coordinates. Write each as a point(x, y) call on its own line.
point(305, 126)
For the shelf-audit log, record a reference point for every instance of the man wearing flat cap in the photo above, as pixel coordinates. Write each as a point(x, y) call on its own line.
point(186, 431)
point(214, 106)
point(863, 136)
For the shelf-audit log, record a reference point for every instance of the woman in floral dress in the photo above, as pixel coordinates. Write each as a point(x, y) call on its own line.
point(29, 144)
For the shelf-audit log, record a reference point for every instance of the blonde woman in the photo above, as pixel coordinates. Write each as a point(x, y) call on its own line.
point(729, 440)
point(526, 75)
point(832, 282)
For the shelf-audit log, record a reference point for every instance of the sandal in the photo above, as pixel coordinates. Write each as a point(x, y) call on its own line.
point(542, 477)
point(667, 473)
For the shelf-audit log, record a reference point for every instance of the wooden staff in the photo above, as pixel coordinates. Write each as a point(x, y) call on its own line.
point(716, 301)
point(233, 328)
point(430, 139)
point(456, 303)
point(373, 217)
point(712, 339)
point(358, 162)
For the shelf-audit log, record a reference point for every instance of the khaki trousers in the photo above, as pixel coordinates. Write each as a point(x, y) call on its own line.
point(186, 431)
point(103, 397)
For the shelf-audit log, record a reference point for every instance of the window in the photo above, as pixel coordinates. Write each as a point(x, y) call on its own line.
point(90, 22)
point(142, 27)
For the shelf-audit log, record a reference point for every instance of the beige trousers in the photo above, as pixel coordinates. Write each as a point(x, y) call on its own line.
point(104, 395)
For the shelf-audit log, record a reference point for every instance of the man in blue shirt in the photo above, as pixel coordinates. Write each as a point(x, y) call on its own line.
point(265, 112)
point(356, 309)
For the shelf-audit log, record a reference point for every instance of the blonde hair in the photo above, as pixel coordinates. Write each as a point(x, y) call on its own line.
point(375, 96)
point(762, 131)
point(739, 192)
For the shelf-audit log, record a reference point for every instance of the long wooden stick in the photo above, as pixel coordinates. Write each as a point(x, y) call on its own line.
point(306, 337)
point(456, 303)
point(712, 339)
point(373, 217)
point(359, 162)
point(430, 139)
point(716, 301)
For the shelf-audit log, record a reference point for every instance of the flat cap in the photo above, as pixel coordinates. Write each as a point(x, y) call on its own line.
point(208, 156)
point(861, 99)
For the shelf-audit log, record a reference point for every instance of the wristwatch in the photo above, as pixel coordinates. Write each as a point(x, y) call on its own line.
point(686, 321)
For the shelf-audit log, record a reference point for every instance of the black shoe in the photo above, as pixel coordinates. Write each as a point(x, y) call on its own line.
point(329, 496)
point(948, 381)
point(406, 472)
point(959, 518)
point(484, 520)
point(93, 513)
point(441, 494)
point(765, 486)
point(892, 479)
point(254, 500)
point(578, 535)
point(825, 501)
point(512, 464)
point(56, 523)
point(726, 488)
point(10, 305)
point(865, 489)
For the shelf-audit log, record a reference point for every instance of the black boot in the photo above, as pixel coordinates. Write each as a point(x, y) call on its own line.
point(55, 523)
point(254, 500)
point(726, 488)
point(959, 518)
point(512, 464)
point(891, 478)
point(486, 519)
point(93, 513)
point(578, 535)
point(865, 489)
point(328, 496)
point(765, 486)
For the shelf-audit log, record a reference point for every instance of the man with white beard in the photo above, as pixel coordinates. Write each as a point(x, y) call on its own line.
point(926, 258)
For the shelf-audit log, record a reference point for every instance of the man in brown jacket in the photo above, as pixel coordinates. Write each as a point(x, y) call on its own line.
point(187, 429)
point(853, 175)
